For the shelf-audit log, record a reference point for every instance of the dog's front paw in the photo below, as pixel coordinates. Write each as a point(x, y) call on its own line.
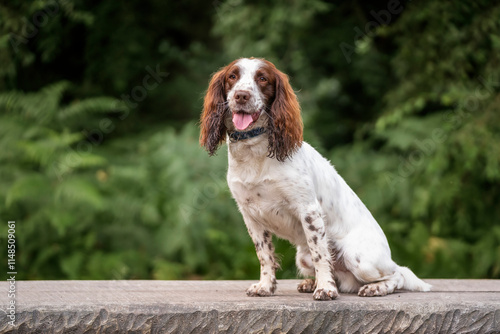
point(261, 289)
point(328, 292)
point(325, 294)
point(308, 285)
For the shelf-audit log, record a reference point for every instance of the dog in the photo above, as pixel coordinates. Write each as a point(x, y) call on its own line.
point(283, 186)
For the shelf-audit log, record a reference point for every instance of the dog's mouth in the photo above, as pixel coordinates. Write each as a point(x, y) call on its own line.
point(243, 120)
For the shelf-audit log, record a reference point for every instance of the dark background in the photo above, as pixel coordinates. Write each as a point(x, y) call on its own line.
point(100, 164)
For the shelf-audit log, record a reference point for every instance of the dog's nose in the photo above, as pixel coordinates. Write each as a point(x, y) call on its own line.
point(241, 96)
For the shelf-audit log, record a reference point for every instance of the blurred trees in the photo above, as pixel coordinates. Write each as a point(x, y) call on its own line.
point(100, 162)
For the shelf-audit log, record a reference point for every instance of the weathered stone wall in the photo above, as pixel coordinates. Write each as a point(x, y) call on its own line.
point(455, 306)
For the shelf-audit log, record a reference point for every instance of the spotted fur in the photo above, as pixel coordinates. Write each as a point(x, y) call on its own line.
point(283, 186)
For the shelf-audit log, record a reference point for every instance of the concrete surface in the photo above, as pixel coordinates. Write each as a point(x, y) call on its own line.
point(455, 306)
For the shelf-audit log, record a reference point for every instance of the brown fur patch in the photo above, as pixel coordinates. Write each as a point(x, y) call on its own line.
point(338, 263)
point(213, 130)
point(285, 124)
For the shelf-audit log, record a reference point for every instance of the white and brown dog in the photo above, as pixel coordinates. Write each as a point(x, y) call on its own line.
point(283, 186)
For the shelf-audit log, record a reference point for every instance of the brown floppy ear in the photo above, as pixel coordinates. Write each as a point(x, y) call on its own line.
point(285, 125)
point(213, 130)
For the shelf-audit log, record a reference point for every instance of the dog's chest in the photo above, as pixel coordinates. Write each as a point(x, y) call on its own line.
point(265, 203)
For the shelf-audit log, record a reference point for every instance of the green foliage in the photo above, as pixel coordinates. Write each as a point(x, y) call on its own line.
point(416, 107)
point(455, 162)
point(129, 209)
point(101, 166)
point(438, 126)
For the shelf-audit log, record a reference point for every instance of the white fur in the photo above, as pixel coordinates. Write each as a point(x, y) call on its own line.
point(246, 82)
point(305, 201)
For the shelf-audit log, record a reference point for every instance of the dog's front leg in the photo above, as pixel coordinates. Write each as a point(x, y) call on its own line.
point(315, 232)
point(263, 242)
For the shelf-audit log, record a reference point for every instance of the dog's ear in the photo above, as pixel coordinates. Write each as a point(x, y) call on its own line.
point(285, 124)
point(213, 130)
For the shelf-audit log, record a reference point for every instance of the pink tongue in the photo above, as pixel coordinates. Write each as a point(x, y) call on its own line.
point(242, 120)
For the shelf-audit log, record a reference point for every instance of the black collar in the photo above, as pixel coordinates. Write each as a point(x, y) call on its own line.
point(242, 135)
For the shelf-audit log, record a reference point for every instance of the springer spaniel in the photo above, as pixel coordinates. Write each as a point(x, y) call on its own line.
point(283, 186)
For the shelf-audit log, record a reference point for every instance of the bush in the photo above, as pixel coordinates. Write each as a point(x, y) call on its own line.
point(101, 189)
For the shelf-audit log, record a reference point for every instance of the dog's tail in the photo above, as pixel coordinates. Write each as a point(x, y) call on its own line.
point(411, 281)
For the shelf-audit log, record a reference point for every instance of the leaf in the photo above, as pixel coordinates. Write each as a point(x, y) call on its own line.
point(32, 188)
point(77, 191)
point(91, 105)
point(72, 160)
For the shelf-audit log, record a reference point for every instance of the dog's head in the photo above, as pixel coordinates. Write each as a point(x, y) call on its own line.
point(250, 93)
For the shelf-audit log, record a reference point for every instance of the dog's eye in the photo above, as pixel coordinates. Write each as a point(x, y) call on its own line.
point(232, 76)
point(262, 79)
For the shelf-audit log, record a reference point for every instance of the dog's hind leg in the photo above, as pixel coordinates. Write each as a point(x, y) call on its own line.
point(379, 289)
point(403, 278)
point(305, 265)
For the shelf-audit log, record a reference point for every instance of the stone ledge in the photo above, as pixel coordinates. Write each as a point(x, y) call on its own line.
point(455, 306)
